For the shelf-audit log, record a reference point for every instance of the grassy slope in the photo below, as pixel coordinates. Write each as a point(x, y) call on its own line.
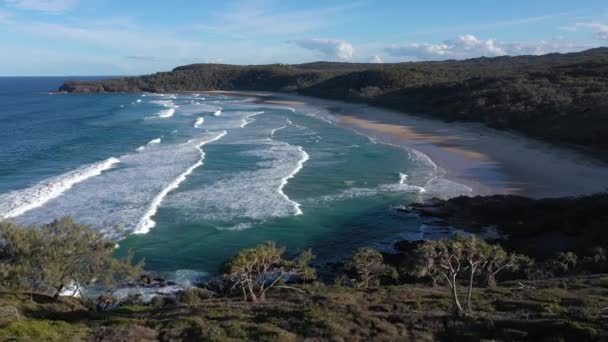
point(576, 310)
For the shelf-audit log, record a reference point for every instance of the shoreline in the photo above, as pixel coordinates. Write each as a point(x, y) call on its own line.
point(487, 160)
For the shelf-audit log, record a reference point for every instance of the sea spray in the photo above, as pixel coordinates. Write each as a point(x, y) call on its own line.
point(18, 202)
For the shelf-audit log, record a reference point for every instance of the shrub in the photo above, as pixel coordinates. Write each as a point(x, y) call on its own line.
point(192, 296)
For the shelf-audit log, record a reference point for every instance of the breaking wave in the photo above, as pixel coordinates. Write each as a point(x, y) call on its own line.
point(146, 222)
point(18, 202)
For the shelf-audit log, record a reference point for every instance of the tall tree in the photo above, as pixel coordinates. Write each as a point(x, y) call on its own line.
point(475, 253)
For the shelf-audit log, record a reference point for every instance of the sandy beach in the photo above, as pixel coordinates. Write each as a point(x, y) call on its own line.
point(486, 160)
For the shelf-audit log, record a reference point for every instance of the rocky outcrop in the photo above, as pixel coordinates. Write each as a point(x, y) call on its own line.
point(536, 227)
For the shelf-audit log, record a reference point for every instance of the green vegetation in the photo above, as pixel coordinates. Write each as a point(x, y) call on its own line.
point(263, 295)
point(257, 270)
point(540, 228)
point(561, 98)
point(47, 259)
point(367, 267)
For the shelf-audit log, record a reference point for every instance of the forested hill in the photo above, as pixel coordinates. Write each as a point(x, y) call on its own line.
point(562, 98)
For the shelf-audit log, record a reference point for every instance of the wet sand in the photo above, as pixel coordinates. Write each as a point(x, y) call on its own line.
point(487, 160)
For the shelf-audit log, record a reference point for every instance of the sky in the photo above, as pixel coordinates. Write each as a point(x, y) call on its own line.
point(133, 37)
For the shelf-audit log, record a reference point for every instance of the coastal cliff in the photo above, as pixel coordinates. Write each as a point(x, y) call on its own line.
point(561, 98)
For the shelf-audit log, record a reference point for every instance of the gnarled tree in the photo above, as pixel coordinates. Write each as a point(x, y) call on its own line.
point(498, 260)
point(257, 270)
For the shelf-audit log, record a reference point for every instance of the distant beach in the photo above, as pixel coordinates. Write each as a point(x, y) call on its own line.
point(487, 160)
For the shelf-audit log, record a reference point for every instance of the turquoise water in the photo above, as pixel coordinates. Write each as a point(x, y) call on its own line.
point(186, 180)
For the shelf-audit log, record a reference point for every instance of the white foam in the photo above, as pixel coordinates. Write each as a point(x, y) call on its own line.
point(166, 113)
point(245, 122)
point(276, 129)
point(199, 122)
point(284, 181)
point(218, 112)
point(151, 142)
point(138, 100)
point(295, 125)
point(255, 195)
point(403, 183)
point(16, 203)
point(146, 222)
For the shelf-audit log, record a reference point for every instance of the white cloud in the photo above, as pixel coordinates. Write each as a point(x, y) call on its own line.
point(54, 6)
point(469, 46)
point(331, 48)
point(376, 59)
point(462, 47)
point(601, 30)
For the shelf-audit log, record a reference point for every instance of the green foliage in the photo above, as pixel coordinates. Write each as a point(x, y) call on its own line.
point(256, 270)
point(43, 330)
point(49, 258)
point(561, 98)
point(453, 259)
point(193, 296)
point(368, 267)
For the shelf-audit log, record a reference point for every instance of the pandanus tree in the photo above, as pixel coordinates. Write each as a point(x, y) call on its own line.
point(367, 264)
point(451, 259)
point(445, 258)
point(257, 270)
point(475, 253)
point(498, 260)
point(425, 258)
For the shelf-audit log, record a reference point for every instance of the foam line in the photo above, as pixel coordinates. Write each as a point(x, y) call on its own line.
point(151, 142)
point(245, 122)
point(285, 180)
point(276, 129)
point(403, 182)
point(146, 223)
point(21, 201)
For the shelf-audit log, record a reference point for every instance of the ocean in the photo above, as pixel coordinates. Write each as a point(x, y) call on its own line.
point(186, 180)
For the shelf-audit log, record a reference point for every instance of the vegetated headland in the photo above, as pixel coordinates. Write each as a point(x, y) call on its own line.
point(533, 269)
point(561, 98)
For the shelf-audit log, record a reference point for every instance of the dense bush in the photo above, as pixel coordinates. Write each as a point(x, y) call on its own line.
point(561, 98)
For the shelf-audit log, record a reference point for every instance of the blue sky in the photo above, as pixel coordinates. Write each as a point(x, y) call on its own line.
point(128, 37)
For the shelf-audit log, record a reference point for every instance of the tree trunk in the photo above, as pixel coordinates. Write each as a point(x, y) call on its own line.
point(457, 310)
point(490, 280)
point(434, 279)
point(58, 292)
point(254, 298)
point(470, 289)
